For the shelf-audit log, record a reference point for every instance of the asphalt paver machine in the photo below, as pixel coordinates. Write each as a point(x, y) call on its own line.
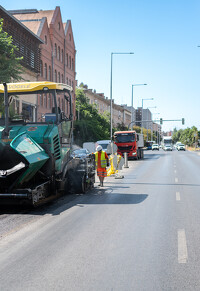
point(36, 164)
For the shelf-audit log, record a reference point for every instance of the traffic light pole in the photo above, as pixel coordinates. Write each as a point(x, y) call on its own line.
point(182, 120)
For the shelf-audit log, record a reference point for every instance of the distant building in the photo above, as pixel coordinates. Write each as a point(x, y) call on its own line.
point(121, 115)
point(144, 118)
point(58, 53)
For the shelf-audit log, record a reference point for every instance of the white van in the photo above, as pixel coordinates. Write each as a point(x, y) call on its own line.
point(104, 144)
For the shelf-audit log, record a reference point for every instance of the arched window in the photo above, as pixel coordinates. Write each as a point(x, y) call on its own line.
point(45, 71)
point(70, 62)
point(62, 56)
point(49, 101)
point(55, 77)
point(41, 68)
point(49, 73)
point(67, 60)
point(55, 50)
point(63, 105)
point(59, 53)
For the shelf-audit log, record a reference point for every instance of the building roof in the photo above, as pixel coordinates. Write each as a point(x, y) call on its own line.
point(9, 14)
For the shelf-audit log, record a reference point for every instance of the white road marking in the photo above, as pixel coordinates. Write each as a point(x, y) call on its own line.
point(176, 180)
point(178, 197)
point(182, 247)
point(174, 171)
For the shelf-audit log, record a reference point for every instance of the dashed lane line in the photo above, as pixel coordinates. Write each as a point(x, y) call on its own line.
point(176, 180)
point(178, 197)
point(182, 247)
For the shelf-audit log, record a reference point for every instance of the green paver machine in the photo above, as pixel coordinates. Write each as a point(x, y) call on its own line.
point(36, 164)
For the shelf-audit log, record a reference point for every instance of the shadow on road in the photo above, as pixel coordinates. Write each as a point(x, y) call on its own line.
point(95, 197)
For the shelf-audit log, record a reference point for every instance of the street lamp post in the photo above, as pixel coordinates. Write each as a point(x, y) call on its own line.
point(130, 53)
point(142, 112)
point(132, 100)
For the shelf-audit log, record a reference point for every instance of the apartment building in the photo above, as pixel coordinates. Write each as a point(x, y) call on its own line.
point(58, 53)
point(121, 114)
point(28, 45)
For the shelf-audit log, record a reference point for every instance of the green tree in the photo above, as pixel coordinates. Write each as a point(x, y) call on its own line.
point(10, 67)
point(90, 125)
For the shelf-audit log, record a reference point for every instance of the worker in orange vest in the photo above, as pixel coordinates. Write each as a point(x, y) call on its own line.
point(101, 161)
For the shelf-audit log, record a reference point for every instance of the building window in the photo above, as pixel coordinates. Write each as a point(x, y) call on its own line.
point(67, 81)
point(63, 105)
point(49, 101)
point(55, 77)
point(59, 53)
point(41, 99)
point(41, 68)
point(59, 25)
point(45, 39)
point(45, 71)
point(70, 37)
point(55, 50)
point(45, 100)
point(62, 79)
point(59, 102)
point(70, 62)
point(58, 77)
point(49, 73)
point(67, 60)
point(62, 56)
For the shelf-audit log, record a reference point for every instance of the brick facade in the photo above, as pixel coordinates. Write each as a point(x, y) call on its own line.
point(58, 53)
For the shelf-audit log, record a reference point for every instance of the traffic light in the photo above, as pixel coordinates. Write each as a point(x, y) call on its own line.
point(161, 121)
point(183, 120)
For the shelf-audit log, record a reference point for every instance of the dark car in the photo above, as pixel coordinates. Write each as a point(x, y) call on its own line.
point(80, 153)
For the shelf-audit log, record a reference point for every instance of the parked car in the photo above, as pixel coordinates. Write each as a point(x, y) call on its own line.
point(155, 146)
point(80, 153)
point(168, 148)
point(181, 147)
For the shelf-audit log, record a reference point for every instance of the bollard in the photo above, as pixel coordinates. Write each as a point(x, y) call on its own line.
point(126, 160)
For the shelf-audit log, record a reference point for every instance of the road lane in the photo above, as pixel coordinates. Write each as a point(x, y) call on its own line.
point(125, 236)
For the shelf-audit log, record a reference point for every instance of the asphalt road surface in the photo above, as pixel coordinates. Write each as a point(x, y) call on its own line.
point(137, 233)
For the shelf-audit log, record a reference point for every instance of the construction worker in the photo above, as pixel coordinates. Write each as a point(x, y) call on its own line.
point(101, 161)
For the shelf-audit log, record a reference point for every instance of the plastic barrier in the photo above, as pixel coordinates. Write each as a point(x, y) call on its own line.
point(114, 163)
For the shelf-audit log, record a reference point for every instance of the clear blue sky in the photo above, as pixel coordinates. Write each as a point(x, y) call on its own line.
point(163, 35)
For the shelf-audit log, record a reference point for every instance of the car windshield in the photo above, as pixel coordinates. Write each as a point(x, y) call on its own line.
point(124, 137)
point(80, 151)
point(104, 146)
point(155, 145)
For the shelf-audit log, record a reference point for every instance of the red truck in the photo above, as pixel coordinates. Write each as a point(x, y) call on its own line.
point(129, 142)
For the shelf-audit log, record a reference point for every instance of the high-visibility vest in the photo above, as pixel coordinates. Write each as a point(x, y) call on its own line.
point(103, 159)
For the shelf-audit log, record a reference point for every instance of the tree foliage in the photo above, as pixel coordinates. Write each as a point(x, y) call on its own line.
point(90, 125)
point(188, 136)
point(10, 67)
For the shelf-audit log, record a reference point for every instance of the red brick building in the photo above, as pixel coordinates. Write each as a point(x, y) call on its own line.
point(58, 52)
